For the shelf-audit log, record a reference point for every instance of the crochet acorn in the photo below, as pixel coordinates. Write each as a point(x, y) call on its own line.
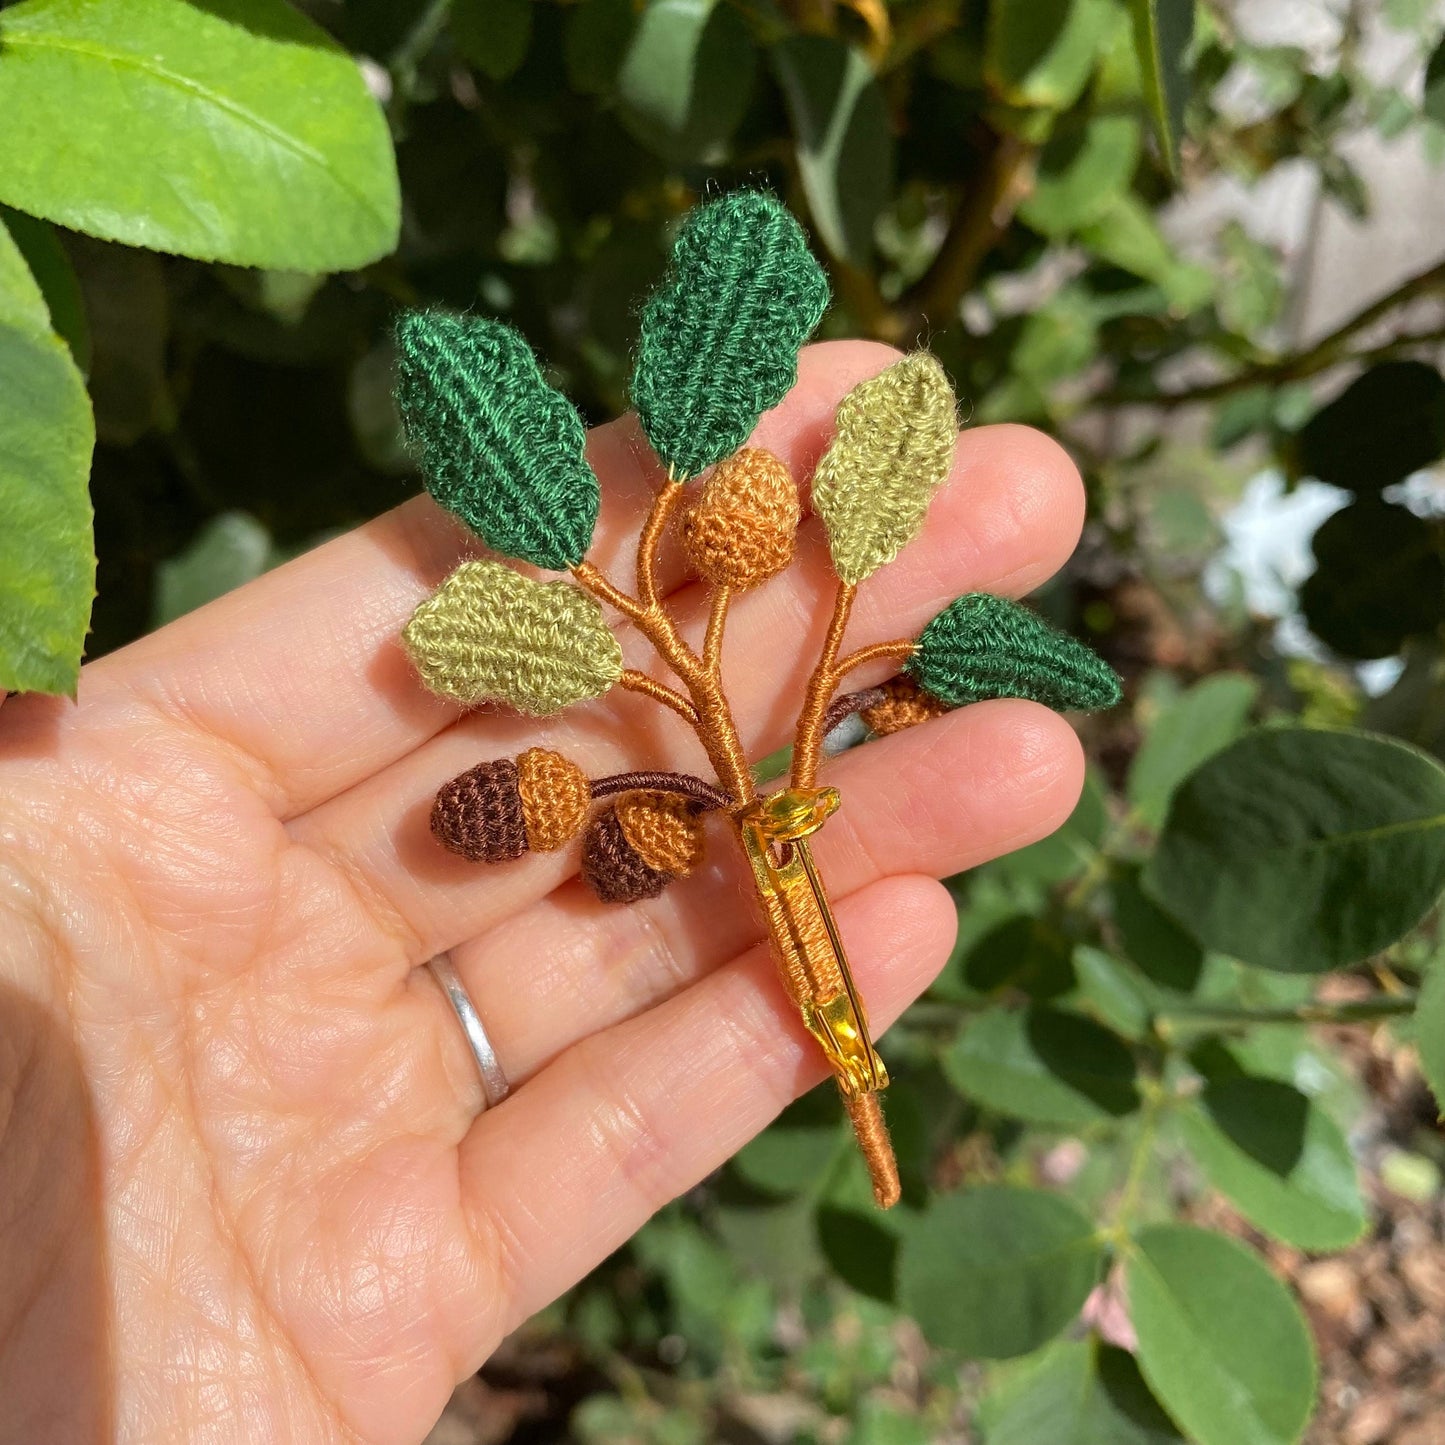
point(637, 846)
point(496, 811)
point(744, 525)
point(902, 704)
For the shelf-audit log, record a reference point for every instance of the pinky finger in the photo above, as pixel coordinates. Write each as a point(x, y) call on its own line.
point(631, 1117)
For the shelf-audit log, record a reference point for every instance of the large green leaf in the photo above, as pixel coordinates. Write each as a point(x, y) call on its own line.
point(686, 76)
point(997, 1271)
point(1080, 171)
point(845, 145)
point(1040, 52)
point(1077, 1392)
point(1302, 849)
point(1026, 953)
point(232, 131)
point(1162, 950)
point(1162, 32)
point(1389, 422)
point(1044, 1065)
point(1280, 1158)
point(47, 553)
point(1221, 1343)
point(1378, 579)
point(1206, 718)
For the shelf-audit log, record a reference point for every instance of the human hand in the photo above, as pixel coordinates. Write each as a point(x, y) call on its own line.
point(246, 1194)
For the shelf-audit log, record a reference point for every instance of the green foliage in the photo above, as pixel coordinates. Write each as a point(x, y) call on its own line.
point(1077, 1392)
point(845, 144)
point(1044, 1065)
point(274, 153)
point(1208, 717)
point(1378, 579)
point(1112, 1040)
point(1221, 1342)
point(1280, 1157)
point(1387, 423)
point(496, 444)
point(47, 557)
point(1163, 30)
point(997, 1272)
point(1303, 850)
point(685, 78)
point(1430, 1029)
point(720, 335)
point(982, 646)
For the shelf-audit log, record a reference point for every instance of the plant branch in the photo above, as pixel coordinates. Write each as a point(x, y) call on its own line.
point(591, 580)
point(897, 649)
point(984, 213)
point(808, 741)
point(1348, 1011)
point(708, 713)
point(850, 703)
point(640, 682)
point(716, 621)
point(1328, 351)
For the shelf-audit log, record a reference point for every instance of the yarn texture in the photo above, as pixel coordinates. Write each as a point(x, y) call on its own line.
point(891, 451)
point(720, 335)
point(479, 814)
point(903, 705)
point(490, 634)
point(555, 798)
point(744, 526)
point(664, 830)
point(612, 867)
point(497, 445)
point(981, 647)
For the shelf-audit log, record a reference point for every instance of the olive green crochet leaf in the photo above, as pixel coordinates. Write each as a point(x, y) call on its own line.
point(497, 445)
point(488, 634)
point(720, 335)
point(981, 647)
point(891, 450)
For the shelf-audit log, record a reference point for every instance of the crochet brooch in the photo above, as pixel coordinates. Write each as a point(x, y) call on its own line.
point(503, 450)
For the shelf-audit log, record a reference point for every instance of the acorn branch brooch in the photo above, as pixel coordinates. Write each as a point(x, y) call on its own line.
point(503, 450)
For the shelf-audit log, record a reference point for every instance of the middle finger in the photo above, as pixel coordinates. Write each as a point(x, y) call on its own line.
point(1008, 519)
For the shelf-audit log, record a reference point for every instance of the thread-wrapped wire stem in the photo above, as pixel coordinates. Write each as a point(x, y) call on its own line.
point(687, 784)
point(808, 740)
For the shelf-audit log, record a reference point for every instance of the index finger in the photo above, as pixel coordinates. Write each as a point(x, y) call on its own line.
point(300, 674)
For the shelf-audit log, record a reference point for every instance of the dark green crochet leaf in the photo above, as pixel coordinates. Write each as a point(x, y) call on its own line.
point(720, 335)
point(497, 445)
point(980, 647)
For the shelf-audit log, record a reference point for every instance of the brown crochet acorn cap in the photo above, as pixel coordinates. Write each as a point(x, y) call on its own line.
point(903, 705)
point(612, 867)
point(744, 525)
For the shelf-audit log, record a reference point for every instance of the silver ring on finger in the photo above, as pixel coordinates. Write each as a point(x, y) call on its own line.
point(495, 1087)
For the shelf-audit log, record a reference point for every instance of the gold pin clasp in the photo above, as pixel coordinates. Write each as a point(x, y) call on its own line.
point(810, 952)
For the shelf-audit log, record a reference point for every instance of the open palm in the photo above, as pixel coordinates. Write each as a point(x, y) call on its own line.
point(246, 1192)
